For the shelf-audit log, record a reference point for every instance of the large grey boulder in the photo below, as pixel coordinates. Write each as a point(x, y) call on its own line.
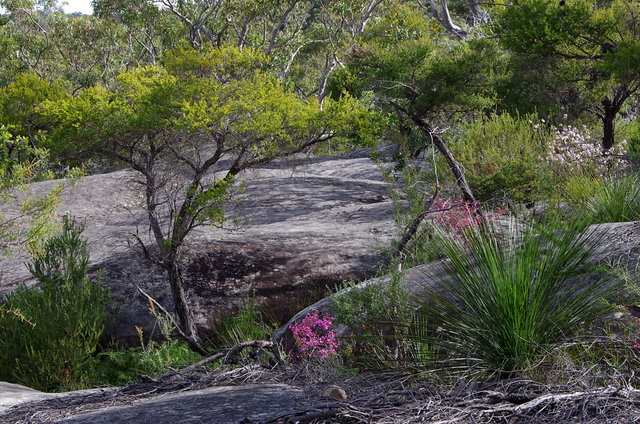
point(15, 394)
point(304, 224)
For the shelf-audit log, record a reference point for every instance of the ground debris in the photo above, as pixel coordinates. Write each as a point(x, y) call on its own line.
point(384, 398)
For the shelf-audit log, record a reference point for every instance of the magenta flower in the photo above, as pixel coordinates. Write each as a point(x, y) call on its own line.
point(314, 337)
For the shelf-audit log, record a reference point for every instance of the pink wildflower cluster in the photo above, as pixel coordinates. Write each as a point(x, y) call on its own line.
point(456, 216)
point(314, 337)
point(576, 150)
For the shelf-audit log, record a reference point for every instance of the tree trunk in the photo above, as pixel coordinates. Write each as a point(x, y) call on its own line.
point(446, 18)
point(608, 123)
point(478, 16)
point(185, 318)
point(416, 223)
point(467, 194)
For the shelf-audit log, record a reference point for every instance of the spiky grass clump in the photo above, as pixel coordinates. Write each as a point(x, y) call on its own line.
point(616, 201)
point(506, 301)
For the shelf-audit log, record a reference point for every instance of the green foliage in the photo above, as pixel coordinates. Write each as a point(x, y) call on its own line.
point(214, 93)
point(507, 301)
point(401, 60)
point(79, 51)
point(589, 50)
point(501, 156)
point(66, 317)
point(20, 98)
point(65, 259)
point(119, 366)
point(617, 200)
point(379, 318)
point(247, 325)
point(577, 190)
point(20, 165)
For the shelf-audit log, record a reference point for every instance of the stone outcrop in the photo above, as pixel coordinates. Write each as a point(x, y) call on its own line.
point(304, 224)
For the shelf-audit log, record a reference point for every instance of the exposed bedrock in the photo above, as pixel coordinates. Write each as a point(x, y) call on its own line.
point(303, 224)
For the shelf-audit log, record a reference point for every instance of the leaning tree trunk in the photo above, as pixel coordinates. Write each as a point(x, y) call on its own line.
point(181, 305)
point(467, 194)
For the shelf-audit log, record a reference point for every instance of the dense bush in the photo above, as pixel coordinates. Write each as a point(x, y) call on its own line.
point(501, 155)
point(120, 366)
point(60, 323)
point(248, 325)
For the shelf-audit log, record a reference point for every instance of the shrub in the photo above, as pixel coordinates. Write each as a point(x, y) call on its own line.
point(506, 301)
point(120, 366)
point(246, 326)
point(575, 151)
point(314, 336)
point(617, 200)
point(500, 156)
point(68, 314)
point(378, 317)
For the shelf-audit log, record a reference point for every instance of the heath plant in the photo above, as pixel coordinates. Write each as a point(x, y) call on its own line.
point(314, 337)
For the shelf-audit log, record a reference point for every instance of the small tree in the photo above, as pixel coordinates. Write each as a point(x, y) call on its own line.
point(426, 81)
point(53, 330)
point(593, 47)
point(173, 123)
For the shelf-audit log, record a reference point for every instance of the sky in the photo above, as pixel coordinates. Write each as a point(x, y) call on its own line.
point(82, 6)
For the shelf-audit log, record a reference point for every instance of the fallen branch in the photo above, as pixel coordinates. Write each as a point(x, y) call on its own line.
point(551, 398)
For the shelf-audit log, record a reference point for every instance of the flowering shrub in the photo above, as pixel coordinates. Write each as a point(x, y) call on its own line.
point(456, 216)
point(575, 150)
point(314, 337)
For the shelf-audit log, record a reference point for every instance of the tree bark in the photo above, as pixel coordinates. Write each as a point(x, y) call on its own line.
point(182, 309)
point(467, 193)
point(478, 16)
point(608, 123)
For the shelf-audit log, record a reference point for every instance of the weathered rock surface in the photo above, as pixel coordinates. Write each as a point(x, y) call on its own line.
point(14, 394)
point(226, 404)
point(618, 244)
point(307, 223)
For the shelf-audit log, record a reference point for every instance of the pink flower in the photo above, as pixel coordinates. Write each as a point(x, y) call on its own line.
point(314, 337)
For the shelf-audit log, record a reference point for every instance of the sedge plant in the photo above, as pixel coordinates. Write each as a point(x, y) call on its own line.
point(617, 200)
point(508, 299)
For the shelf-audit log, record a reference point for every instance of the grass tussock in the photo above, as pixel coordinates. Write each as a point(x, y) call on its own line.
point(508, 300)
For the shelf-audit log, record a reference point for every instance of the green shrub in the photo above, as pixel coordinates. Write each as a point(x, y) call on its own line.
point(500, 156)
point(379, 319)
point(507, 301)
point(66, 317)
point(120, 366)
point(246, 326)
point(617, 200)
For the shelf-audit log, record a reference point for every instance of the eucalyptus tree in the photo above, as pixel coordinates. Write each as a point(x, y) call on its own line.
point(424, 77)
point(173, 123)
point(593, 46)
point(80, 50)
point(151, 29)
